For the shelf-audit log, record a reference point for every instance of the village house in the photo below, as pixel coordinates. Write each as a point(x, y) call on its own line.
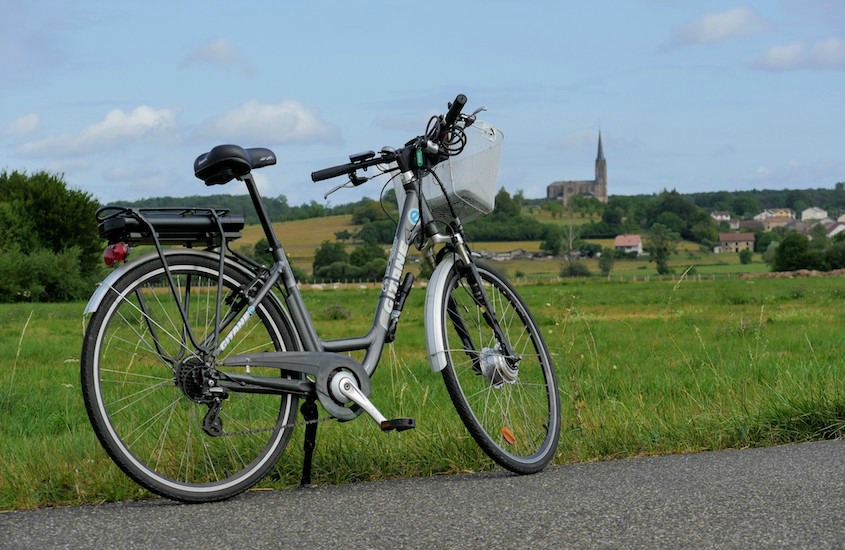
point(628, 244)
point(777, 221)
point(741, 226)
point(775, 213)
point(735, 242)
point(721, 215)
point(835, 229)
point(813, 213)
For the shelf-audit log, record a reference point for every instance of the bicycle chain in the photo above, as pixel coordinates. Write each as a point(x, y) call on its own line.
point(288, 425)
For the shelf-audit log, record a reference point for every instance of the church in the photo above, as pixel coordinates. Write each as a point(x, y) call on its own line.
point(563, 191)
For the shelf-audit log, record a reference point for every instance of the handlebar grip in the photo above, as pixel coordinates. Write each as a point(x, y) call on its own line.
point(333, 172)
point(455, 109)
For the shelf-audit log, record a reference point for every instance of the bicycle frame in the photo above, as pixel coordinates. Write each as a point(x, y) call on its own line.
point(373, 341)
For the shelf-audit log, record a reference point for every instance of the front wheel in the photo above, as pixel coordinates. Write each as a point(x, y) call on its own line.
point(510, 405)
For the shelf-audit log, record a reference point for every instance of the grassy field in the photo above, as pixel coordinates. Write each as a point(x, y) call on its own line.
point(644, 368)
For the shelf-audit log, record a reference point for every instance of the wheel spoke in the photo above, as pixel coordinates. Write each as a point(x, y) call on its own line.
point(512, 414)
point(148, 416)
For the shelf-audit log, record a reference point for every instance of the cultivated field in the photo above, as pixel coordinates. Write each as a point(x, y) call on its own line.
point(644, 368)
point(301, 238)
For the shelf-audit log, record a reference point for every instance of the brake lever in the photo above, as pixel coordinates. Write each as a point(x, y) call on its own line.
point(470, 120)
point(337, 188)
point(354, 179)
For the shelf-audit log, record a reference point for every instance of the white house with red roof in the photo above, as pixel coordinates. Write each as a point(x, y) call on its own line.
point(628, 244)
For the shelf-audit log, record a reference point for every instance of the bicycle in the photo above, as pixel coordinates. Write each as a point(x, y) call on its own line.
point(195, 357)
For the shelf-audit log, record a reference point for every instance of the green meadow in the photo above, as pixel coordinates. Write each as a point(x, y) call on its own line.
point(645, 367)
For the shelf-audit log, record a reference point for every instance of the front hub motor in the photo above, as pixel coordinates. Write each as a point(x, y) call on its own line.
point(495, 367)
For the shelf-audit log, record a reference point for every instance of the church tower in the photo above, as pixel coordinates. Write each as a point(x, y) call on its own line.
point(563, 191)
point(601, 174)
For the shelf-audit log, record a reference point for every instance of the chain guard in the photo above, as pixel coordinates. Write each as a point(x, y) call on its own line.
point(322, 366)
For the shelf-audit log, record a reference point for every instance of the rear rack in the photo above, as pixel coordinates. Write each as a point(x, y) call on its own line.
point(177, 225)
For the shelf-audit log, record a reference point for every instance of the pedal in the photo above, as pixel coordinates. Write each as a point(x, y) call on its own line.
point(398, 424)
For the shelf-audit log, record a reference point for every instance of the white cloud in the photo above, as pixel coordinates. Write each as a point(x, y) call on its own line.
point(118, 128)
point(782, 58)
point(718, 27)
point(219, 53)
point(23, 126)
point(262, 124)
point(826, 54)
point(829, 54)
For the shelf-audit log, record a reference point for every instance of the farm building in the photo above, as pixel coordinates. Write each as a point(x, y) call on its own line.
point(628, 244)
point(735, 242)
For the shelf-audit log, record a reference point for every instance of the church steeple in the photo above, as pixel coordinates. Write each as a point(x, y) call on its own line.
point(600, 155)
point(601, 174)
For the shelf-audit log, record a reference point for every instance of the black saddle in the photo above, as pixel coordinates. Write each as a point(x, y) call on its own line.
point(226, 162)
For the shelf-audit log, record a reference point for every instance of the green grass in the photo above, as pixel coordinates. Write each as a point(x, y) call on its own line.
point(644, 368)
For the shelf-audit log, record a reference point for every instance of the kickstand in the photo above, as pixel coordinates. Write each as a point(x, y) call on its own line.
point(309, 412)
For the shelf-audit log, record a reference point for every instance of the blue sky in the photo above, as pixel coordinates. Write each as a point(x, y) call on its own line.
point(120, 97)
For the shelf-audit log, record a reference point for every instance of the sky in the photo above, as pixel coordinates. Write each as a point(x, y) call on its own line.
point(694, 95)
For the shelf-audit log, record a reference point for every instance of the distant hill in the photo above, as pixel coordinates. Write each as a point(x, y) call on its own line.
point(739, 203)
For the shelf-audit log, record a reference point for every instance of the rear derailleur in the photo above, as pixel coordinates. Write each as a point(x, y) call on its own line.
point(198, 383)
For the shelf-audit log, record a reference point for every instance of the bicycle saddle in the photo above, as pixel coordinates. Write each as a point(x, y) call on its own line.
point(226, 162)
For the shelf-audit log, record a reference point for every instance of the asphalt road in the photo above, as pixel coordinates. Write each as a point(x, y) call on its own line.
point(782, 497)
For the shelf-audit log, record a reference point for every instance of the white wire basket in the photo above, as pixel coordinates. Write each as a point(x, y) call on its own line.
point(469, 178)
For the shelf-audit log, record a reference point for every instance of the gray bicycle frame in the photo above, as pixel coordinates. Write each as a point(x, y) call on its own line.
point(413, 216)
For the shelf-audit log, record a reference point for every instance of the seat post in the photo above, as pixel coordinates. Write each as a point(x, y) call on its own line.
point(263, 217)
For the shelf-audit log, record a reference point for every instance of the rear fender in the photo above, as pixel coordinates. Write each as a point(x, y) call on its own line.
point(108, 283)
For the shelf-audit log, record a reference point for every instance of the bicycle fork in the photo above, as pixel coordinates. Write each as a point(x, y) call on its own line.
point(499, 364)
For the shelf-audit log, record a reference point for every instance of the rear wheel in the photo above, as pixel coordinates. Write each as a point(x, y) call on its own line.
point(145, 385)
point(510, 405)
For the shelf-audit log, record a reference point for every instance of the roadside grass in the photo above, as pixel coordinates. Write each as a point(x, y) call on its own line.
point(644, 368)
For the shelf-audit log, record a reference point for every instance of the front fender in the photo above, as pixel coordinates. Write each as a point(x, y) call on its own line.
point(434, 314)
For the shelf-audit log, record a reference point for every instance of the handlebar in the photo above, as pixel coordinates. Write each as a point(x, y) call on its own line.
point(385, 156)
point(333, 172)
point(455, 109)
point(348, 168)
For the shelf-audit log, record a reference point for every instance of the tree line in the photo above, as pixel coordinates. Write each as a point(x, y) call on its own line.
point(50, 251)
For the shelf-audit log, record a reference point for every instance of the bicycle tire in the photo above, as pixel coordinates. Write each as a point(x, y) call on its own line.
point(515, 419)
point(134, 348)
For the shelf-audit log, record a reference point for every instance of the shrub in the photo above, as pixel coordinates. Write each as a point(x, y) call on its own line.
point(575, 269)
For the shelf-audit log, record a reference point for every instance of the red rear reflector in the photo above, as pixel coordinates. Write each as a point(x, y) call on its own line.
point(115, 253)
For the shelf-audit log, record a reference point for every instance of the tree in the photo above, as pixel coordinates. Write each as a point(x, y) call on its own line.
point(744, 205)
point(367, 211)
point(661, 242)
point(613, 216)
point(261, 252)
point(329, 253)
point(381, 231)
point(606, 261)
point(367, 252)
point(791, 253)
point(49, 247)
point(343, 235)
point(554, 207)
point(505, 205)
point(835, 255)
point(553, 243)
point(745, 256)
point(52, 216)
